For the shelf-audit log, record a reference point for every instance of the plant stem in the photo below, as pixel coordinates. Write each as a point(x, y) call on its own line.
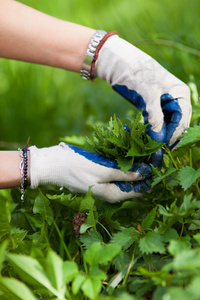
point(182, 227)
point(110, 236)
point(172, 159)
point(129, 268)
point(61, 238)
point(197, 186)
point(190, 155)
point(84, 263)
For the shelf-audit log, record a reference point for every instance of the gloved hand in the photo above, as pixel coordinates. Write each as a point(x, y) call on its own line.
point(77, 169)
point(164, 99)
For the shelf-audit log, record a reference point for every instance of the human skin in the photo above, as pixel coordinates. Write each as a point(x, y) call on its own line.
point(32, 36)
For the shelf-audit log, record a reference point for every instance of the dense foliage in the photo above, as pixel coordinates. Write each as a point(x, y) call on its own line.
point(57, 245)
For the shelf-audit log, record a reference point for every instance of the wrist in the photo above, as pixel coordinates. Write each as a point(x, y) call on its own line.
point(10, 174)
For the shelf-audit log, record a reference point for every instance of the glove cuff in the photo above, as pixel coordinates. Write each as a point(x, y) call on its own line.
point(45, 165)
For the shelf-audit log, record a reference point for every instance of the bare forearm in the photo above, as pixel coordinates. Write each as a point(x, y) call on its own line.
point(29, 35)
point(10, 174)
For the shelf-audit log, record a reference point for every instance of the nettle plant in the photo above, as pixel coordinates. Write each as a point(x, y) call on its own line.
point(57, 245)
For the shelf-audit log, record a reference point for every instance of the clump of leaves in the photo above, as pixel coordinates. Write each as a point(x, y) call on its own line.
point(124, 143)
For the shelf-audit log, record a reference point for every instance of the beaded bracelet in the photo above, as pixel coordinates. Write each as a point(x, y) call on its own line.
point(24, 171)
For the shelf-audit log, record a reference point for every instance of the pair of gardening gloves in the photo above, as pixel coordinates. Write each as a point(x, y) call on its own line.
point(165, 104)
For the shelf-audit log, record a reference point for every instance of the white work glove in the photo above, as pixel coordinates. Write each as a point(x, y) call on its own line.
point(164, 99)
point(77, 169)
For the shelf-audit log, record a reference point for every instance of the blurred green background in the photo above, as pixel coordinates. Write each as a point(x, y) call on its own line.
point(47, 103)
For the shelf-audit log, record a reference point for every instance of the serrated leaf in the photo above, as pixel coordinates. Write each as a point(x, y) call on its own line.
point(90, 237)
point(17, 236)
point(149, 219)
point(163, 211)
point(125, 163)
point(195, 225)
point(68, 200)
point(190, 137)
point(115, 142)
point(87, 203)
point(189, 204)
point(164, 176)
point(188, 176)
point(125, 238)
point(152, 243)
point(42, 207)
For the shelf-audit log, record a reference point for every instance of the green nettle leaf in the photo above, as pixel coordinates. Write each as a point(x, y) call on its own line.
point(195, 225)
point(17, 236)
point(125, 238)
point(68, 200)
point(149, 219)
point(14, 289)
point(125, 163)
point(41, 206)
point(162, 177)
point(90, 237)
point(152, 243)
point(115, 142)
point(87, 202)
point(101, 254)
point(189, 204)
point(162, 210)
point(190, 137)
point(188, 176)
